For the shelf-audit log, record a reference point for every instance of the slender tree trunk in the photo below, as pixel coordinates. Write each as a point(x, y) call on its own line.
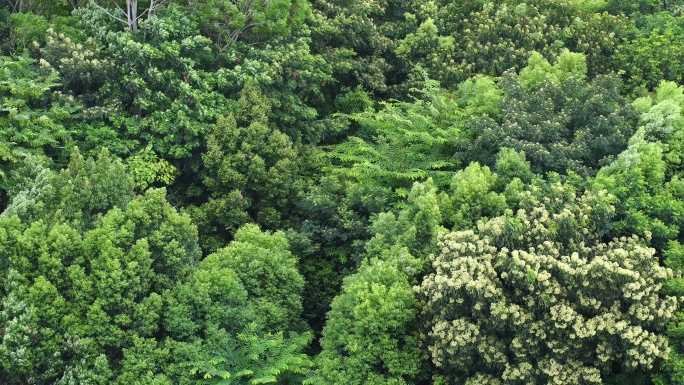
point(134, 13)
point(132, 10)
point(129, 15)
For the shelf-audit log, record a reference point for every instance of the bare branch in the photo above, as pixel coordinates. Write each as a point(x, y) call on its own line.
point(149, 10)
point(13, 5)
point(236, 34)
point(117, 6)
point(103, 9)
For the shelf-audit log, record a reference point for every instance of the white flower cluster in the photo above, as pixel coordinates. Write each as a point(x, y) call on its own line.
point(534, 298)
point(76, 62)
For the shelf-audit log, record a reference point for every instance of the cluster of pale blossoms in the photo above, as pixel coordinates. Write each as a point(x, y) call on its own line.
point(73, 60)
point(556, 307)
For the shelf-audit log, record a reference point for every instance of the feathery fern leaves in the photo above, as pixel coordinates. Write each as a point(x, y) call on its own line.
point(402, 143)
point(254, 358)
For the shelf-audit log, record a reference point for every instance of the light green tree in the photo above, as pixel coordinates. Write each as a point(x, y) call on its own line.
point(268, 272)
point(79, 297)
point(368, 338)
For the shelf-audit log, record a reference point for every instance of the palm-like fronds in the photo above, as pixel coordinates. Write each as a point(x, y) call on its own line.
point(402, 143)
point(258, 358)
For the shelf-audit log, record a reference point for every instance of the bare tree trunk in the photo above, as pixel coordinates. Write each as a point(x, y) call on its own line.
point(129, 15)
point(132, 6)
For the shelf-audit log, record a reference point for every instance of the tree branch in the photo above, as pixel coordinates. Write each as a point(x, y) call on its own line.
point(103, 9)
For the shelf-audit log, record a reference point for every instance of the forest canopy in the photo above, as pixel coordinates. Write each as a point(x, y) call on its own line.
point(481, 192)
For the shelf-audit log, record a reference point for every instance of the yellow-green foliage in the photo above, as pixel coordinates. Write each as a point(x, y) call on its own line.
point(457, 40)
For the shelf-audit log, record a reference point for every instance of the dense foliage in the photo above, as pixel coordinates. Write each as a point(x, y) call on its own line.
point(539, 298)
point(341, 192)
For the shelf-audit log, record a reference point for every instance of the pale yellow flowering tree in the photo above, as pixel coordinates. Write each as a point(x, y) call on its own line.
point(535, 297)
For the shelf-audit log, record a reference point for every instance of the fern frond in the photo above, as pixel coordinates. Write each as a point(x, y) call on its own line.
point(256, 359)
point(404, 142)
